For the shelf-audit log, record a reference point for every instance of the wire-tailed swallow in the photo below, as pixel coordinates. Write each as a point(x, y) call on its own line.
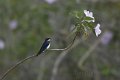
point(44, 46)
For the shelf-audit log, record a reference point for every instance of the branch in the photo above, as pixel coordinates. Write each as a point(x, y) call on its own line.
point(29, 57)
point(66, 47)
point(17, 64)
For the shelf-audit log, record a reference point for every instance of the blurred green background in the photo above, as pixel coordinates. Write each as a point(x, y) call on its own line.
point(24, 24)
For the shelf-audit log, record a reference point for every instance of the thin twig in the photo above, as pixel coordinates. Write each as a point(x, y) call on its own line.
point(17, 64)
point(56, 49)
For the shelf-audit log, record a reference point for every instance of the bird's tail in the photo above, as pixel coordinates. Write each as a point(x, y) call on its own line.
point(39, 53)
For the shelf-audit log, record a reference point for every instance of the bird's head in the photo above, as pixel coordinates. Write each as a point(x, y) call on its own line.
point(48, 39)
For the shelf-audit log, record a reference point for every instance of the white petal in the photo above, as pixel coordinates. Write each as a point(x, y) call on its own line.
point(97, 30)
point(86, 12)
point(89, 14)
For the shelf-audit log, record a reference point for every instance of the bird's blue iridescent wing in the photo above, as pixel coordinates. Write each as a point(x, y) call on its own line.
point(43, 47)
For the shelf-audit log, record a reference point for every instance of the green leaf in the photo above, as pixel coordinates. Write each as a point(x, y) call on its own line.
point(91, 25)
point(88, 18)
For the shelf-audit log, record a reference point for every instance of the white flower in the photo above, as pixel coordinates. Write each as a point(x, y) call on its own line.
point(97, 30)
point(2, 44)
point(50, 1)
point(13, 24)
point(89, 14)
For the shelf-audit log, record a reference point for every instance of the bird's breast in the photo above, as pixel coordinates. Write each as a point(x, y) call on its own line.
point(48, 46)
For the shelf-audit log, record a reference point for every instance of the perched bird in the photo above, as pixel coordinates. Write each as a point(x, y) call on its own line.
point(44, 46)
